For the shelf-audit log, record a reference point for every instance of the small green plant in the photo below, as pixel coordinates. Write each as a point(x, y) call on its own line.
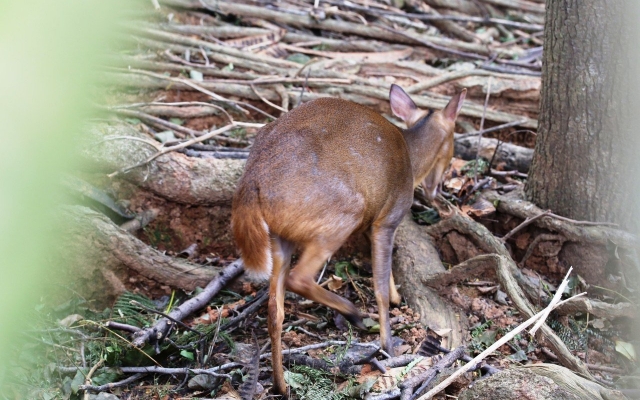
point(472, 168)
point(429, 216)
point(313, 384)
point(344, 269)
point(158, 234)
point(482, 337)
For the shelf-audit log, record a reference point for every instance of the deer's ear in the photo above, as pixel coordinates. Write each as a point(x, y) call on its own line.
point(401, 104)
point(452, 109)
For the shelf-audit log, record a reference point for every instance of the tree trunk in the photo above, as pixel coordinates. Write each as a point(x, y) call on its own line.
point(584, 143)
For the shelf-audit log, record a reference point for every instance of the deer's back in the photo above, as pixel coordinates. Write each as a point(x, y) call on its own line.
point(328, 166)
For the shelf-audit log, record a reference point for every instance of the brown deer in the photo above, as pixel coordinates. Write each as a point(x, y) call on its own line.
point(318, 174)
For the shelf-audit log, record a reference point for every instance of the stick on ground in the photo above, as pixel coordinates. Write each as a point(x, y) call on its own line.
point(158, 331)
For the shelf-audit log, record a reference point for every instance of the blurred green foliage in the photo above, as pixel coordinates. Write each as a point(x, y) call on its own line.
point(49, 57)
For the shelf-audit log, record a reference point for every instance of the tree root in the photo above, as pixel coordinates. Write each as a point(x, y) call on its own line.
point(416, 258)
point(94, 246)
point(504, 269)
point(513, 204)
point(484, 240)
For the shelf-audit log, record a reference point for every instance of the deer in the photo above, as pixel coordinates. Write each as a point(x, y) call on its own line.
point(326, 170)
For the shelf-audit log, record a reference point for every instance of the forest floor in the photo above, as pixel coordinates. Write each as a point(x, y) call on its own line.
point(189, 69)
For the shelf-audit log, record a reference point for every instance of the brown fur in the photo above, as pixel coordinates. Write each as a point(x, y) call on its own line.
point(321, 172)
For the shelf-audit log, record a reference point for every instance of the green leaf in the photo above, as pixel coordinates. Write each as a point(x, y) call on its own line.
point(299, 58)
point(77, 381)
point(187, 354)
point(626, 349)
point(196, 75)
point(176, 121)
point(103, 378)
point(488, 337)
point(518, 356)
point(165, 136)
point(341, 269)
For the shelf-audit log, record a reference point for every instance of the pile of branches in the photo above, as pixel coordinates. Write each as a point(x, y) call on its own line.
point(281, 54)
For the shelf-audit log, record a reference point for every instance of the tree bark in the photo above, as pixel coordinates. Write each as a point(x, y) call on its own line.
point(583, 146)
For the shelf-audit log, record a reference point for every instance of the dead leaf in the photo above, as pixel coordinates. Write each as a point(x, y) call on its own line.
point(335, 283)
point(69, 320)
point(487, 289)
point(481, 208)
point(455, 184)
point(442, 332)
point(393, 376)
point(456, 167)
point(405, 348)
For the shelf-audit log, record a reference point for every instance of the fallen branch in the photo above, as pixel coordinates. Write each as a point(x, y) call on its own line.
point(253, 307)
point(211, 135)
point(407, 386)
point(508, 155)
point(158, 332)
point(598, 308)
point(112, 385)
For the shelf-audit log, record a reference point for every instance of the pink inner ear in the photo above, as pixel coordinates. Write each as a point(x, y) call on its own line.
point(401, 104)
point(455, 105)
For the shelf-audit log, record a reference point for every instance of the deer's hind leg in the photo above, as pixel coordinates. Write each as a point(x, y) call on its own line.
point(281, 251)
point(302, 280)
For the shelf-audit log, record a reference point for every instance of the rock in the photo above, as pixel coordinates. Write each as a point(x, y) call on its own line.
point(538, 382)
